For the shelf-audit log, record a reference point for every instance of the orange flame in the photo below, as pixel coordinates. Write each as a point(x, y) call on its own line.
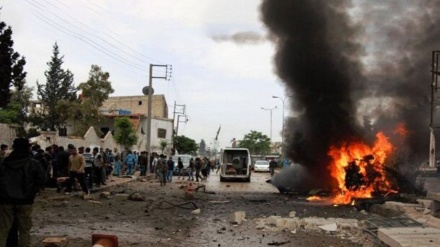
point(349, 152)
point(401, 130)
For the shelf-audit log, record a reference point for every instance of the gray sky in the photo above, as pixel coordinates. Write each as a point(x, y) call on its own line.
point(222, 61)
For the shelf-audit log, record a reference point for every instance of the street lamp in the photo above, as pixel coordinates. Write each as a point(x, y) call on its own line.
point(270, 109)
point(282, 131)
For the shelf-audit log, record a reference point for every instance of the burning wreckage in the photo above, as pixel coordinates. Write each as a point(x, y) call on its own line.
point(358, 130)
point(360, 173)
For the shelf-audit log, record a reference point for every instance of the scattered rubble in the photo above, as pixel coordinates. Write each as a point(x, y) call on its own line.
point(55, 242)
point(138, 197)
point(238, 217)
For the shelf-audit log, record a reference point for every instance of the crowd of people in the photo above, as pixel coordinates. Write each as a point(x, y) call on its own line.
point(21, 177)
point(83, 166)
point(198, 169)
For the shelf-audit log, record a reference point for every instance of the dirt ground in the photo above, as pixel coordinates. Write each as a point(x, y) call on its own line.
point(164, 218)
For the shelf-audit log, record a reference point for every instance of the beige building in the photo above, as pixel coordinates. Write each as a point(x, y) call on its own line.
point(133, 107)
point(136, 105)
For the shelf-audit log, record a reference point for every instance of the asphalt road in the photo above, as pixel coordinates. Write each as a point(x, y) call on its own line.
point(165, 218)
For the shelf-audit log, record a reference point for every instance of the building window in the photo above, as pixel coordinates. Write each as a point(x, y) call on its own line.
point(161, 133)
point(140, 102)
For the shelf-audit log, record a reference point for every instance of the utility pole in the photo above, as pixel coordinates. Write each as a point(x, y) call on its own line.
point(434, 86)
point(175, 130)
point(179, 121)
point(181, 112)
point(149, 92)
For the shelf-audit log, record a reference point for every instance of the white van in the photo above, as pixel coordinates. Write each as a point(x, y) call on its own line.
point(235, 164)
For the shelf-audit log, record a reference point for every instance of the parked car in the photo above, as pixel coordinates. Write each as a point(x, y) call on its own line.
point(261, 166)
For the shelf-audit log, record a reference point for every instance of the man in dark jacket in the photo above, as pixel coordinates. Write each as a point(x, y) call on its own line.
point(272, 165)
point(20, 178)
point(170, 164)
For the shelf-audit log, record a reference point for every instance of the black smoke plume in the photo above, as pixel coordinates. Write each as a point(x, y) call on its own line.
point(354, 68)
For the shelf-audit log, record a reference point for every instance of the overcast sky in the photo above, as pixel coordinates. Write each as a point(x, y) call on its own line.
point(222, 62)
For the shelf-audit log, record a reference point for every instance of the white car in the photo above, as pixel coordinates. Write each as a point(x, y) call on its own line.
point(261, 166)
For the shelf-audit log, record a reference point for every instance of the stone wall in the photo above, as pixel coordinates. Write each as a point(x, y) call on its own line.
point(90, 139)
point(7, 134)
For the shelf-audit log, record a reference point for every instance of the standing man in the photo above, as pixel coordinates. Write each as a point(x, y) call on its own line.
point(130, 162)
point(62, 162)
point(191, 170)
point(170, 164)
point(20, 178)
point(116, 154)
point(98, 168)
point(180, 167)
point(272, 165)
point(198, 167)
point(88, 169)
point(77, 163)
point(161, 169)
point(153, 164)
point(143, 163)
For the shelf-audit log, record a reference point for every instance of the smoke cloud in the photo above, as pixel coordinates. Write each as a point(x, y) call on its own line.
point(353, 68)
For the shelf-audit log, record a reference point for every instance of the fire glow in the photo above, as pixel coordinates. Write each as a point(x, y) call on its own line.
point(368, 161)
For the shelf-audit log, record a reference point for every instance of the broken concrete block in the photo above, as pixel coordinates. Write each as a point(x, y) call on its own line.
point(314, 222)
point(288, 223)
point(425, 203)
point(55, 242)
point(260, 225)
point(137, 197)
point(238, 217)
point(347, 224)
point(329, 227)
point(104, 195)
point(196, 211)
point(272, 220)
point(121, 197)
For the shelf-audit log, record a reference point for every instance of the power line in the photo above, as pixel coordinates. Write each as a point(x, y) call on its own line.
point(136, 55)
point(90, 40)
point(86, 40)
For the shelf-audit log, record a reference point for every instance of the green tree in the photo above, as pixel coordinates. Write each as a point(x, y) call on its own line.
point(202, 147)
point(59, 86)
point(124, 132)
point(97, 88)
point(85, 111)
point(11, 66)
point(163, 145)
point(256, 142)
point(185, 145)
point(16, 112)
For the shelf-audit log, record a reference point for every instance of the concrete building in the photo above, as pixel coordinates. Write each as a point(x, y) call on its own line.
point(136, 105)
point(133, 107)
point(136, 108)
